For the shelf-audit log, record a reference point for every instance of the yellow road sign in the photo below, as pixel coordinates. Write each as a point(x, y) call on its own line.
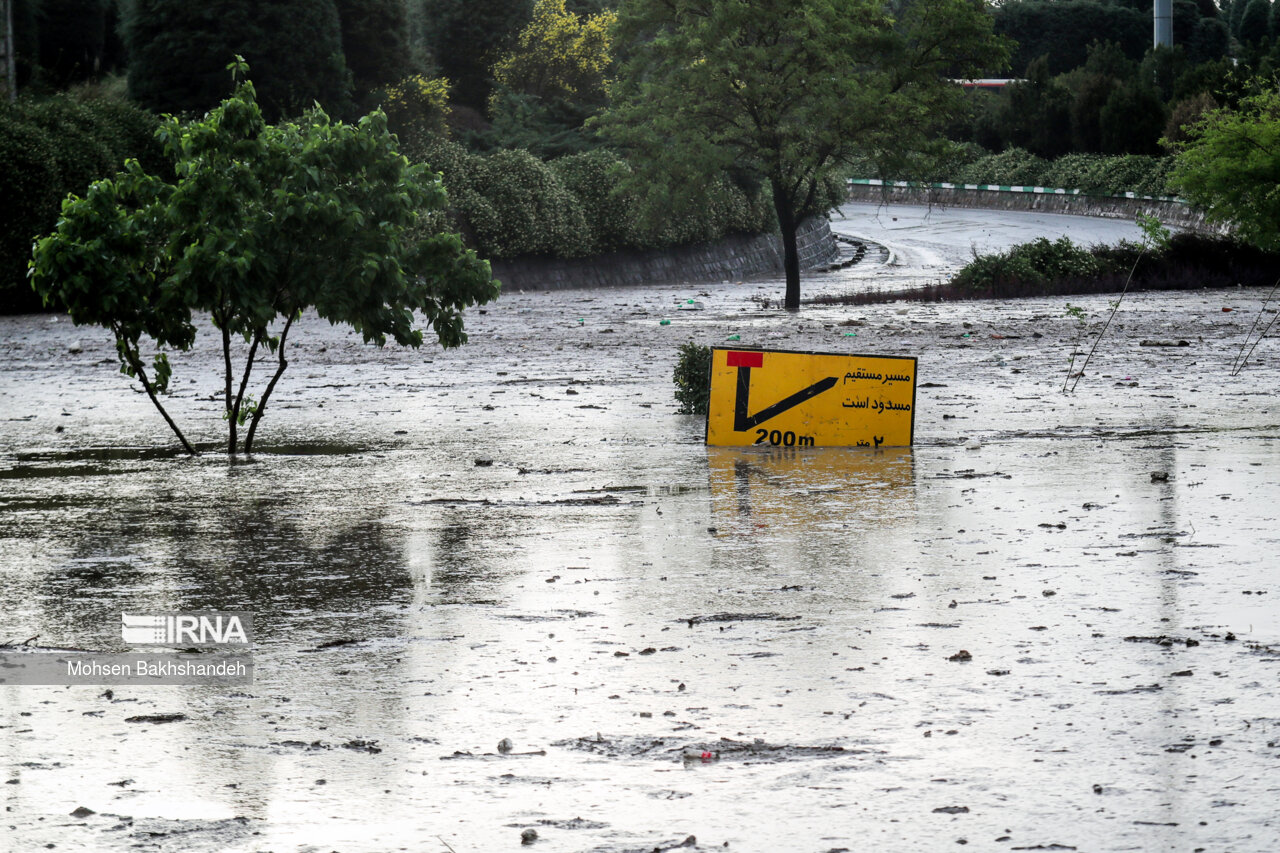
point(810, 399)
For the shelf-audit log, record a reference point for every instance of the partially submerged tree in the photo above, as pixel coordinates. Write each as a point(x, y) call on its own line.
point(260, 223)
point(785, 91)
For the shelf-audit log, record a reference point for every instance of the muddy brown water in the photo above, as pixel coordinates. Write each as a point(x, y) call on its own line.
point(754, 648)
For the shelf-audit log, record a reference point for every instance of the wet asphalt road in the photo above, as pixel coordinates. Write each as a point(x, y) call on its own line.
point(619, 600)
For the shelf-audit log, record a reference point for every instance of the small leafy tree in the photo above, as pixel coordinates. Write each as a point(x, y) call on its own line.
point(259, 223)
point(1230, 166)
point(785, 93)
point(692, 377)
point(552, 81)
point(559, 54)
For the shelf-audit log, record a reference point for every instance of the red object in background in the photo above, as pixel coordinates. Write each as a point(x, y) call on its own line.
point(745, 359)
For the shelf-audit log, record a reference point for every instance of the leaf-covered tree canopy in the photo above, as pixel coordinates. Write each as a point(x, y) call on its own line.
point(259, 223)
point(375, 43)
point(552, 82)
point(559, 54)
point(466, 37)
point(783, 92)
point(177, 50)
point(1230, 166)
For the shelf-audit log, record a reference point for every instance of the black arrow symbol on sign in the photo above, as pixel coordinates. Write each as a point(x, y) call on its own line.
point(743, 421)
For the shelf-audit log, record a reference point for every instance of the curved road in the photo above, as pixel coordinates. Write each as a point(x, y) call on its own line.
point(929, 243)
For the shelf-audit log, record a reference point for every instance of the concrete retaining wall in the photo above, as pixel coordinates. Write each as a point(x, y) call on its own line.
point(735, 257)
point(1170, 211)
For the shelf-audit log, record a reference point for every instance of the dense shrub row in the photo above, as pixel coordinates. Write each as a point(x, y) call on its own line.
point(1188, 262)
point(1060, 268)
point(1029, 264)
point(510, 203)
point(1090, 173)
point(49, 149)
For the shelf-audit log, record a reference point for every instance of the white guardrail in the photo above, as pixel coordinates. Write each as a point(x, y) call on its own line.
point(876, 182)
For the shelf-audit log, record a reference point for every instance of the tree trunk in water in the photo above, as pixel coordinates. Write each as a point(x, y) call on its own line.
point(790, 255)
point(136, 363)
point(226, 361)
point(238, 403)
point(282, 363)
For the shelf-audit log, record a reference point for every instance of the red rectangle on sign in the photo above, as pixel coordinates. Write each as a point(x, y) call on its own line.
point(745, 359)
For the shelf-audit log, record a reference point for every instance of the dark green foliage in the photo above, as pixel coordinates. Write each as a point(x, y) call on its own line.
point(1255, 22)
point(1086, 112)
point(376, 44)
point(26, 40)
point(1189, 262)
point(466, 38)
point(592, 178)
point(530, 211)
point(1012, 167)
point(1132, 121)
point(1185, 17)
point(1235, 14)
point(28, 184)
point(1064, 29)
point(589, 7)
point(179, 50)
point(78, 154)
point(1029, 263)
point(1036, 115)
point(1094, 174)
point(1209, 41)
point(1162, 68)
point(509, 203)
point(545, 127)
point(51, 148)
point(458, 169)
point(127, 131)
point(692, 376)
point(73, 35)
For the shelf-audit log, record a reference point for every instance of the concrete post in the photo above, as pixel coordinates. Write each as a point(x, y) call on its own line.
point(1163, 11)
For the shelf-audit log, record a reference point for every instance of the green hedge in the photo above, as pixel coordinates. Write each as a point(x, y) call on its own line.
point(51, 148)
point(510, 203)
point(592, 178)
point(1029, 264)
point(1090, 173)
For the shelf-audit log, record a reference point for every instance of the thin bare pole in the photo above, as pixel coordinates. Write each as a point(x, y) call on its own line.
point(1243, 357)
point(11, 73)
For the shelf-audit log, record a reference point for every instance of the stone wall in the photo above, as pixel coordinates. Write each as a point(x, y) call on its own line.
point(1171, 212)
point(734, 257)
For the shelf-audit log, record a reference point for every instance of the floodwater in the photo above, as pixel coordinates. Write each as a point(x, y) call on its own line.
point(520, 539)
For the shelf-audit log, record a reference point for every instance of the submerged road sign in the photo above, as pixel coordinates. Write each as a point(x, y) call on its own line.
point(810, 399)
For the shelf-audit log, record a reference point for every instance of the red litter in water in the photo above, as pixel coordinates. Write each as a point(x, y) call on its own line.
point(706, 756)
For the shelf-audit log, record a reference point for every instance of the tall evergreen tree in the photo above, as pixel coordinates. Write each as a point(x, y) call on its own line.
point(1255, 21)
point(1132, 121)
point(375, 42)
point(73, 34)
point(466, 38)
point(179, 50)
